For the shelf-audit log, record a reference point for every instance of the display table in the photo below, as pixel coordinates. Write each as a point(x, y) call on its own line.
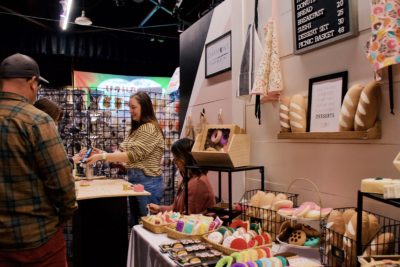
point(144, 249)
point(100, 225)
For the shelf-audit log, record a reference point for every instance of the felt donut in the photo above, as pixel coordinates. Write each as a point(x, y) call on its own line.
point(251, 264)
point(284, 261)
point(368, 107)
point(225, 261)
point(238, 243)
point(216, 136)
point(222, 230)
point(253, 255)
point(312, 241)
point(259, 263)
point(280, 204)
point(276, 262)
point(267, 238)
point(237, 256)
point(244, 256)
point(300, 211)
point(313, 214)
point(349, 108)
point(261, 253)
point(266, 262)
point(224, 140)
point(259, 239)
point(268, 251)
point(239, 264)
point(286, 211)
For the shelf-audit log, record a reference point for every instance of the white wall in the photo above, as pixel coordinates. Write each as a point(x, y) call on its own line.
point(335, 166)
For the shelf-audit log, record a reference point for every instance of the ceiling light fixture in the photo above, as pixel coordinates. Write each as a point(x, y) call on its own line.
point(66, 6)
point(83, 20)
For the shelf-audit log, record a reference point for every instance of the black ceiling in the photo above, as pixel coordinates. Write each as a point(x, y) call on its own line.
point(132, 37)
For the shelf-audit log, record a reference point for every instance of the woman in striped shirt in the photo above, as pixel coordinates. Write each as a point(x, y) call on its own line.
point(142, 151)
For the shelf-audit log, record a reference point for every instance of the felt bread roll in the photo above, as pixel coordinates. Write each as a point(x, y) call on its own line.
point(284, 114)
point(298, 113)
point(347, 214)
point(349, 108)
point(266, 200)
point(335, 224)
point(368, 107)
point(373, 226)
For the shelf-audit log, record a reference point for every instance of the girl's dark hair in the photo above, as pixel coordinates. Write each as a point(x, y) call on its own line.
point(50, 107)
point(147, 112)
point(181, 150)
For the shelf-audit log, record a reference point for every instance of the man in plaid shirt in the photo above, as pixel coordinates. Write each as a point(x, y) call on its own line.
point(37, 190)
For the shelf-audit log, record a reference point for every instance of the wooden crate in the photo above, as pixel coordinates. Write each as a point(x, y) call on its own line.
point(235, 153)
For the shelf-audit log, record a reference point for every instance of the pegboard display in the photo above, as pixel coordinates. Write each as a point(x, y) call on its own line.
point(100, 117)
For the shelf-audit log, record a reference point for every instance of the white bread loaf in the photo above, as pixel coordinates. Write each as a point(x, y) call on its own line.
point(368, 107)
point(284, 114)
point(298, 113)
point(349, 108)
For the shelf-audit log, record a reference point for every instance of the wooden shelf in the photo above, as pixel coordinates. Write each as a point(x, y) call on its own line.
point(373, 133)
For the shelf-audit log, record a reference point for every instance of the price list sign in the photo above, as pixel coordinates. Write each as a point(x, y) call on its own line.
point(321, 22)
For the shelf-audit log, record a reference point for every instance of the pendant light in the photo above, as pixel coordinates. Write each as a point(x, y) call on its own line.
point(83, 20)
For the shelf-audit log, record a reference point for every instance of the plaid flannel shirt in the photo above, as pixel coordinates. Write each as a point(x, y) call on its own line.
point(37, 189)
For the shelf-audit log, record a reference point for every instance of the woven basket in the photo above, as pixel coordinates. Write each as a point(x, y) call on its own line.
point(154, 228)
point(225, 250)
point(172, 233)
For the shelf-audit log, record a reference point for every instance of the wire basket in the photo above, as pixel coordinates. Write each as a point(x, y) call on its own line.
point(269, 220)
point(340, 250)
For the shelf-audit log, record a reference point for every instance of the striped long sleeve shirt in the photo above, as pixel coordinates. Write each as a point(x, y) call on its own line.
point(37, 189)
point(145, 148)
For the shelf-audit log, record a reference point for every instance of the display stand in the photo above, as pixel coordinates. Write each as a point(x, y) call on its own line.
point(360, 204)
point(229, 170)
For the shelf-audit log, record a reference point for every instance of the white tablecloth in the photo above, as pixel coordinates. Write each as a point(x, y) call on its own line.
point(144, 249)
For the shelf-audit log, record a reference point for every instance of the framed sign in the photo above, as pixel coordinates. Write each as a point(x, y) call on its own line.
point(319, 23)
point(218, 55)
point(325, 97)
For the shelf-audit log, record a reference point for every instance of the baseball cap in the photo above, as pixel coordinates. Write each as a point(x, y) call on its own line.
point(20, 66)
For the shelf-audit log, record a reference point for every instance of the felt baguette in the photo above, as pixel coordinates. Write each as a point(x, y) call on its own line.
point(368, 107)
point(349, 108)
point(298, 113)
point(284, 114)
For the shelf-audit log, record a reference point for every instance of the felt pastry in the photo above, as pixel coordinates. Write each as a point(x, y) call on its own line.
point(309, 230)
point(227, 241)
point(383, 244)
point(374, 185)
point(373, 227)
point(349, 108)
point(298, 238)
point(267, 200)
point(280, 204)
point(284, 114)
point(298, 113)
point(238, 243)
point(335, 224)
point(216, 237)
point(252, 243)
point(280, 196)
point(268, 251)
point(368, 107)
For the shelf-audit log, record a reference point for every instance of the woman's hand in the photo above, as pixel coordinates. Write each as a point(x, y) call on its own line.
point(154, 208)
point(92, 159)
point(94, 151)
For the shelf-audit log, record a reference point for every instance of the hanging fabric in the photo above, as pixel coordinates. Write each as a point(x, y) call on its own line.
point(383, 46)
point(268, 83)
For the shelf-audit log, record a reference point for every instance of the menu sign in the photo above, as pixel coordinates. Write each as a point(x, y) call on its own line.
point(320, 22)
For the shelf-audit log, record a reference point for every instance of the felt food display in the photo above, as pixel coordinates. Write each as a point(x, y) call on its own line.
point(156, 223)
point(349, 108)
point(298, 113)
point(193, 226)
point(300, 235)
point(244, 236)
point(307, 211)
point(284, 119)
point(368, 107)
point(254, 258)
